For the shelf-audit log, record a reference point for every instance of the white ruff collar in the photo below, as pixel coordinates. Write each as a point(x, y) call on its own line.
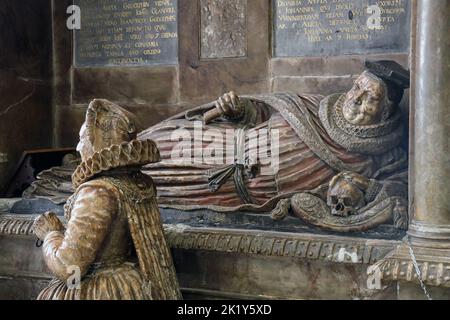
point(129, 154)
point(372, 140)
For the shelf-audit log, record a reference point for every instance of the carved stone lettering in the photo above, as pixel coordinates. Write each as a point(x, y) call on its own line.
point(126, 33)
point(338, 27)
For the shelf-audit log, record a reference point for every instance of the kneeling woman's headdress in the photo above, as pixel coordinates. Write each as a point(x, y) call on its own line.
point(108, 124)
point(112, 131)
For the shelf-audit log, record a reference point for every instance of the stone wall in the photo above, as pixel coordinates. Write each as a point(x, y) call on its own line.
point(232, 51)
point(25, 81)
point(43, 97)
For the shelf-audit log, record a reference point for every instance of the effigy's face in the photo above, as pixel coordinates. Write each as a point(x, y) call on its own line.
point(364, 103)
point(85, 147)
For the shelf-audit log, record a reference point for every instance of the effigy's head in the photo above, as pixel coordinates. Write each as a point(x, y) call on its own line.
point(376, 93)
point(368, 101)
point(106, 125)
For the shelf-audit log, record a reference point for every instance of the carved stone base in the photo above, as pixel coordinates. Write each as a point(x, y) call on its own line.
point(432, 236)
point(398, 266)
point(226, 262)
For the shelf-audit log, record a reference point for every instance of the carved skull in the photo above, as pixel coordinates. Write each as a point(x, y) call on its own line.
point(344, 197)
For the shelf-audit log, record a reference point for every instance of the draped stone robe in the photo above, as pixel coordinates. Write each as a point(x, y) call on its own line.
point(308, 156)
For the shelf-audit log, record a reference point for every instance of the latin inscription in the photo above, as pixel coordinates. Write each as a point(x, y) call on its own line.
point(126, 33)
point(339, 27)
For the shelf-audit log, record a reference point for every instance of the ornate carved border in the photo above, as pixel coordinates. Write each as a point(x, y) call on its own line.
point(16, 225)
point(434, 265)
point(263, 243)
point(277, 244)
point(433, 274)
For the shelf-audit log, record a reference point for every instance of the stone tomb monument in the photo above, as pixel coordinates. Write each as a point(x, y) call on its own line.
point(343, 218)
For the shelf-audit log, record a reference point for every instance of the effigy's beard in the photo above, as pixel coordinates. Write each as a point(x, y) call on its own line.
point(354, 115)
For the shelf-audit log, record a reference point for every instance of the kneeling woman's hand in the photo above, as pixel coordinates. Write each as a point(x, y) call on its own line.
point(46, 223)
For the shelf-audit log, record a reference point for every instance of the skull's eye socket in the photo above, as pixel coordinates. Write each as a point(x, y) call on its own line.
point(334, 200)
point(348, 202)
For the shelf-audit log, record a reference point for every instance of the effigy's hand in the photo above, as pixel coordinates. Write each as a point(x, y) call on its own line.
point(46, 223)
point(229, 105)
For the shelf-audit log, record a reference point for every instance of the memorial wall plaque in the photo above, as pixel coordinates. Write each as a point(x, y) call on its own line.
point(126, 33)
point(339, 27)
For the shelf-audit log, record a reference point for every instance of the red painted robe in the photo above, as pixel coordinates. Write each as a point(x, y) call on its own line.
point(186, 183)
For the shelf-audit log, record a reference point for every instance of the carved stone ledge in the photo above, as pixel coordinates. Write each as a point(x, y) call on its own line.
point(277, 244)
point(398, 266)
point(335, 249)
point(7, 204)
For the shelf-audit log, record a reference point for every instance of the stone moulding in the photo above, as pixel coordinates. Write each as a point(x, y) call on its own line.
point(19, 225)
point(434, 265)
point(250, 242)
point(390, 257)
point(279, 244)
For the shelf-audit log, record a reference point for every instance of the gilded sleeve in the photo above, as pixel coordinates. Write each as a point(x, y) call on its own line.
point(91, 218)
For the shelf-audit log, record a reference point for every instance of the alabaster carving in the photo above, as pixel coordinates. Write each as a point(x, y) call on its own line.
point(342, 165)
point(346, 194)
point(54, 184)
point(114, 236)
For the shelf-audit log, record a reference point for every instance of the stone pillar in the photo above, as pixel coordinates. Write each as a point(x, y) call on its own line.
point(430, 225)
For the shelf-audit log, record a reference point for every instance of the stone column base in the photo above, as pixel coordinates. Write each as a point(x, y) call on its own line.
point(398, 266)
